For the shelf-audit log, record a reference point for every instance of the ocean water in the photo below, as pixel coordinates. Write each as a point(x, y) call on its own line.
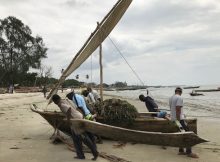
point(194, 106)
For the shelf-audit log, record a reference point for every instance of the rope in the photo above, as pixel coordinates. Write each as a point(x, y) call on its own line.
point(147, 92)
point(91, 69)
point(126, 61)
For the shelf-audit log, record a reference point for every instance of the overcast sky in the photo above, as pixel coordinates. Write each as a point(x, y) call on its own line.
point(166, 42)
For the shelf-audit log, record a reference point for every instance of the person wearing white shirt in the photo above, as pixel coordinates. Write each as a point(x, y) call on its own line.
point(176, 108)
point(94, 94)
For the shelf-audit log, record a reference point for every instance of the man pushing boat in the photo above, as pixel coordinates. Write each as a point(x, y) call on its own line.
point(153, 107)
point(71, 112)
point(176, 108)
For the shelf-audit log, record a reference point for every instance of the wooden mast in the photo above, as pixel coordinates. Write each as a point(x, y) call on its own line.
point(101, 72)
point(94, 41)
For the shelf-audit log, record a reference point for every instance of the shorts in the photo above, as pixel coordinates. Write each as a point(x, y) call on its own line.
point(161, 114)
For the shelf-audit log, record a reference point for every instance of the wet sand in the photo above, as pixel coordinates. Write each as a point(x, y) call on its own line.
point(24, 137)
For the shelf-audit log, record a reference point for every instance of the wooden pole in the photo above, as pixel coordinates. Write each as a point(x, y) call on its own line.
point(101, 72)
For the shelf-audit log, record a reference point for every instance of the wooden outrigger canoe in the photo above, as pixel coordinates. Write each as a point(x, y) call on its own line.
point(142, 123)
point(196, 94)
point(145, 122)
point(179, 139)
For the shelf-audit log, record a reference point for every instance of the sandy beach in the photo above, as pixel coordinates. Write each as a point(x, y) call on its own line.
point(24, 137)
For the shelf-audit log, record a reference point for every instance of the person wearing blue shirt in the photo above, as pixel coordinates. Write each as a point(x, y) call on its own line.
point(79, 101)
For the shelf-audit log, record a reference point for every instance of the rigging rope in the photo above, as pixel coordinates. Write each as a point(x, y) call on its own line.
point(126, 61)
point(91, 69)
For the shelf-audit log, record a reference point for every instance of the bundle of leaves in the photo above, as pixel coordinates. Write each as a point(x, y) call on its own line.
point(116, 112)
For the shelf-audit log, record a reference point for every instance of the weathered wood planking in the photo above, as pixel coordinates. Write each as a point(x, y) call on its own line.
point(145, 123)
point(180, 139)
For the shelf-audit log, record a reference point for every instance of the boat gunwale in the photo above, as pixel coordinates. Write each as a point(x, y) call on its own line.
point(140, 118)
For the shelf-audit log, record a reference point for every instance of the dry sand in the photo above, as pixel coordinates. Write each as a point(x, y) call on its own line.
point(24, 137)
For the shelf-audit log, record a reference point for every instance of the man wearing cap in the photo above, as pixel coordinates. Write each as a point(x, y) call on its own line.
point(176, 108)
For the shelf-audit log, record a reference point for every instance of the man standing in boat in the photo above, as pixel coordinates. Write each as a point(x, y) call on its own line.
point(153, 107)
point(176, 108)
point(71, 112)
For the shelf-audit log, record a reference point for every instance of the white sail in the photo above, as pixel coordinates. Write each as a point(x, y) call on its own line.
point(95, 39)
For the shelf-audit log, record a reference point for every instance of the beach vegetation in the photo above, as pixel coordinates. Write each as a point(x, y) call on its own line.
point(19, 50)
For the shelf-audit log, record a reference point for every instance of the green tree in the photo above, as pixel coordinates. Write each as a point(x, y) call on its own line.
point(71, 82)
point(120, 84)
point(19, 50)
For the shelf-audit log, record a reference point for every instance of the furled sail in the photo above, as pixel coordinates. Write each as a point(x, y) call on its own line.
point(95, 39)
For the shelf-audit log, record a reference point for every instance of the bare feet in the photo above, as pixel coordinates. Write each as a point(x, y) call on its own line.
point(193, 155)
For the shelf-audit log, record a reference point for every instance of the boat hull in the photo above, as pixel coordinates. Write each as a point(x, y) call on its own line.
point(207, 90)
point(179, 139)
point(196, 94)
point(192, 87)
point(143, 123)
point(155, 125)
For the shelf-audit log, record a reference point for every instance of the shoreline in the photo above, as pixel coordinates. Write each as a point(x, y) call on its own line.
point(24, 136)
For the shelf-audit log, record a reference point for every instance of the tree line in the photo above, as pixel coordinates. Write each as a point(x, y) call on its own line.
point(20, 51)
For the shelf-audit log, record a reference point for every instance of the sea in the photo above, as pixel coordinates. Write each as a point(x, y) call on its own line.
point(206, 106)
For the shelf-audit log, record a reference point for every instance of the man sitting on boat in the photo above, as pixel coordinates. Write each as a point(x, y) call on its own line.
point(153, 107)
point(71, 112)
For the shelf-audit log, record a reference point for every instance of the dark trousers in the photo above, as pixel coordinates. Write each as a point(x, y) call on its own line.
point(87, 139)
point(186, 128)
point(77, 144)
point(92, 138)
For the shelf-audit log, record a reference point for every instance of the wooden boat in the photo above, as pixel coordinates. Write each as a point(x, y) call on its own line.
point(191, 87)
point(143, 122)
point(207, 90)
point(196, 94)
point(180, 139)
point(27, 89)
point(55, 119)
point(130, 88)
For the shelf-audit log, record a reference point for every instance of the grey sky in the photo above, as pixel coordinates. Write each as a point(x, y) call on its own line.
point(166, 42)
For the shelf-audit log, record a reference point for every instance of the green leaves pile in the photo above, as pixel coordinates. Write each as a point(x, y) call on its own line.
point(117, 112)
